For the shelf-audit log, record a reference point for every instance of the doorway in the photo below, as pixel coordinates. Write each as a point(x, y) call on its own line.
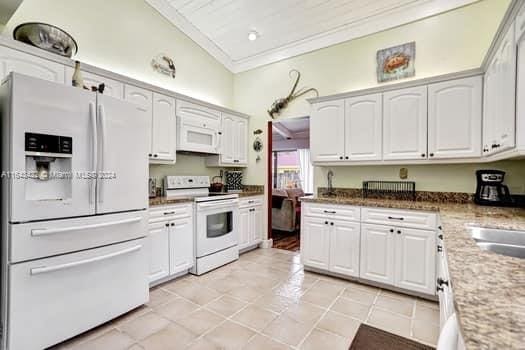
point(290, 177)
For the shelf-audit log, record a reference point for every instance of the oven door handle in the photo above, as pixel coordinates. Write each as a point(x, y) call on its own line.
point(218, 204)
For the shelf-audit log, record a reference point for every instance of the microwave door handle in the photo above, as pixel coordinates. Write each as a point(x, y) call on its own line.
point(93, 180)
point(102, 122)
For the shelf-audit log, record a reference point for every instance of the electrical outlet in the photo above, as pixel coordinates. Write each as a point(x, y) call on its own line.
point(403, 173)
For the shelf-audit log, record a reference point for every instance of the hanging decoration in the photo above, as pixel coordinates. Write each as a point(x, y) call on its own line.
point(164, 65)
point(282, 103)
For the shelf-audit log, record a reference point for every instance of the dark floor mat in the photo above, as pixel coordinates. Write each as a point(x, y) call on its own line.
point(370, 338)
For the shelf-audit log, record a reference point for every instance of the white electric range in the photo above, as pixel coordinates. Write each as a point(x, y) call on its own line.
point(216, 221)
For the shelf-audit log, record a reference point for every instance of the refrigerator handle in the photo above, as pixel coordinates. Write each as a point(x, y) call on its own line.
point(93, 120)
point(102, 123)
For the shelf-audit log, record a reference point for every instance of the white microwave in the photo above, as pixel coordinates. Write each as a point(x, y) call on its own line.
point(198, 128)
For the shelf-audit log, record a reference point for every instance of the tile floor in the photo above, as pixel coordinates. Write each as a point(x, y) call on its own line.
point(262, 301)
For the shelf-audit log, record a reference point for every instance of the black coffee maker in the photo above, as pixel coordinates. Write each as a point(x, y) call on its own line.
point(490, 189)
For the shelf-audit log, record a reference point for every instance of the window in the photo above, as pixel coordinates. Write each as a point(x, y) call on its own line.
point(286, 169)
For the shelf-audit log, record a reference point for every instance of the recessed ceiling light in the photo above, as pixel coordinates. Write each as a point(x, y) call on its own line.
point(253, 35)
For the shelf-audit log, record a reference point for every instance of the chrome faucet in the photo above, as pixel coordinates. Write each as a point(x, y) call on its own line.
point(330, 191)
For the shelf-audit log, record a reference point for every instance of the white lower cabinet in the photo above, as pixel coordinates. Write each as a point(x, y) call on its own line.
point(377, 253)
point(391, 254)
point(344, 248)
point(315, 243)
point(250, 223)
point(415, 260)
point(170, 241)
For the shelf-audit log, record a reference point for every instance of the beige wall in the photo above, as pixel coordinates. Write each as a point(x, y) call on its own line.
point(186, 165)
point(450, 42)
point(124, 35)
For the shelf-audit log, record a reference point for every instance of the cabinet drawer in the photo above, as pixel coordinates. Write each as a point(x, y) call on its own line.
point(338, 212)
point(404, 218)
point(169, 212)
point(250, 201)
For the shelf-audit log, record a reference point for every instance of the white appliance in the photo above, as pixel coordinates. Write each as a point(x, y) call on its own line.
point(198, 129)
point(217, 220)
point(74, 211)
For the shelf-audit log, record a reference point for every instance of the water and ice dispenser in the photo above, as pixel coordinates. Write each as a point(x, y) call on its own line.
point(48, 164)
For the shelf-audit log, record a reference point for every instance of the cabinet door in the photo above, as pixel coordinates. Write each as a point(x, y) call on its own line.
point(20, 62)
point(344, 248)
point(181, 245)
point(327, 132)
point(490, 97)
point(454, 118)
point(245, 227)
point(164, 130)
point(363, 123)
point(315, 243)
point(144, 99)
point(257, 233)
point(240, 145)
point(405, 124)
point(227, 139)
point(506, 120)
point(112, 87)
point(158, 243)
point(416, 260)
point(377, 253)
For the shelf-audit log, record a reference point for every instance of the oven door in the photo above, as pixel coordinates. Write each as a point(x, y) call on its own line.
point(217, 223)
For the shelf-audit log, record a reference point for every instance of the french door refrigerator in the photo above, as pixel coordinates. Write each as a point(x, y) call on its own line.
point(74, 200)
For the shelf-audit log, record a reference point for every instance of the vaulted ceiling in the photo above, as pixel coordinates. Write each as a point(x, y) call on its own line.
point(286, 28)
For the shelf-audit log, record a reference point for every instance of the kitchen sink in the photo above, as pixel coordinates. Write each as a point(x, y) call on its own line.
point(504, 242)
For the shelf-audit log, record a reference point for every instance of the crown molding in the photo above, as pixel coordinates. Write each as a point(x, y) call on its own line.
point(389, 19)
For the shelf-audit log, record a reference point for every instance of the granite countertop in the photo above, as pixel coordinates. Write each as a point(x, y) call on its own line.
point(489, 289)
point(157, 201)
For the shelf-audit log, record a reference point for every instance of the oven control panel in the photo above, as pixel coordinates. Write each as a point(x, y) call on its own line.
point(178, 182)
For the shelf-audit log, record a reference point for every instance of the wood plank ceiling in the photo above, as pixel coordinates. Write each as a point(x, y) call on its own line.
point(287, 27)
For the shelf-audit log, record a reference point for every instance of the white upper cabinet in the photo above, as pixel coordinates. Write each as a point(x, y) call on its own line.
point(228, 130)
point(112, 87)
point(454, 118)
point(20, 62)
point(363, 122)
point(344, 248)
point(377, 253)
point(240, 144)
point(415, 260)
point(164, 128)
point(499, 120)
point(327, 132)
point(233, 142)
point(405, 124)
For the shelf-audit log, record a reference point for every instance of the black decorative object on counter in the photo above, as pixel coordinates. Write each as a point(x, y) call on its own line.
point(391, 189)
point(233, 180)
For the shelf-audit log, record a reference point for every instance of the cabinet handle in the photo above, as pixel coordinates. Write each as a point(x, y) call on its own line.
point(440, 237)
point(398, 232)
point(439, 289)
point(341, 157)
point(439, 248)
point(392, 230)
point(493, 146)
point(155, 155)
point(396, 218)
point(172, 224)
point(423, 155)
point(332, 224)
point(431, 154)
point(347, 157)
point(330, 212)
point(169, 212)
point(149, 154)
point(441, 281)
point(167, 224)
point(326, 222)
point(219, 133)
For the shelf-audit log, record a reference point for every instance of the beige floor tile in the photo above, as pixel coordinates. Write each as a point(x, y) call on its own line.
point(230, 335)
point(364, 287)
point(223, 285)
point(203, 344)
point(304, 312)
point(360, 295)
point(136, 347)
point(430, 315)
point(274, 302)
point(255, 317)
point(200, 321)
point(426, 332)
point(196, 293)
point(351, 308)
point(390, 322)
point(403, 306)
point(290, 290)
point(172, 337)
point(302, 280)
point(261, 342)
point(247, 294)
point(339, 324)
point(131, 315)
point(176, 309)
point(158, 296)
point(143, 326)
point(89, 335)
point(287, 330)
point(113, 339)
point(226, 305)
point(320, 339)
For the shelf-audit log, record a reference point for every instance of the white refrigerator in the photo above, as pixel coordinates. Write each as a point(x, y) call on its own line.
point(74, 210)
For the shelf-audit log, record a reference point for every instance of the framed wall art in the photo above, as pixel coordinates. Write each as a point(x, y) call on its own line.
point(396, 62)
